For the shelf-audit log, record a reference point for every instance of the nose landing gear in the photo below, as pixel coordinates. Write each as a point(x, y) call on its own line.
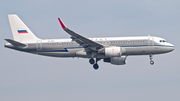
point(151, 57)
point(95, 65)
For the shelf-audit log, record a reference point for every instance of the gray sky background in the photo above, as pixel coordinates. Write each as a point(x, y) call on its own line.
point(28, 77)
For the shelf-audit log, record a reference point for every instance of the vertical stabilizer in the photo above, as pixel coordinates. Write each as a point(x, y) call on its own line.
point(20, 31)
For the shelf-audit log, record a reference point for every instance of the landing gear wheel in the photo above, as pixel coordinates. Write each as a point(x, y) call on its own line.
point(96, 66)
point(91, 61)
point(151, 62)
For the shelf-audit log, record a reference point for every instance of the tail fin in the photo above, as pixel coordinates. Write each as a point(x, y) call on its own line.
point(20, 31)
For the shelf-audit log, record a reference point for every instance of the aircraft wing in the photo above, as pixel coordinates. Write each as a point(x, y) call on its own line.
point(83, 41)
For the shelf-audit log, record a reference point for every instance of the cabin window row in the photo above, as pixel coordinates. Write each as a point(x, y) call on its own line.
point(115, 42)
point(112, 42)
point(62, 43)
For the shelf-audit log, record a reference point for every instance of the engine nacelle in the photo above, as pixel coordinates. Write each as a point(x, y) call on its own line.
point(113, 51)
point(116, 60)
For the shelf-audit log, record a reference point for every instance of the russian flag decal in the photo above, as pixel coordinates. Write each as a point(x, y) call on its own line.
point(22, 31)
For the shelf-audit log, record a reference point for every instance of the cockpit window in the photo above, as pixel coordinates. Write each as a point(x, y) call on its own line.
point(162, 41)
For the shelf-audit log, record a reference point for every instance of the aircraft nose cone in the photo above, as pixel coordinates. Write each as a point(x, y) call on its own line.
point(172, 47)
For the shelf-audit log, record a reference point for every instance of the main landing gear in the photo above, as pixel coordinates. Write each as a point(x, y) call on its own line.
point(91, 61)
point(95, 65)
point(151, 57)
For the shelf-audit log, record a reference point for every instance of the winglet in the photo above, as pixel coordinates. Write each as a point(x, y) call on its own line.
point(62, 25)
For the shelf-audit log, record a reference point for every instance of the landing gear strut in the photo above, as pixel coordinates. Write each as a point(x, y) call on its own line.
point(95, 65)
point(151, 57)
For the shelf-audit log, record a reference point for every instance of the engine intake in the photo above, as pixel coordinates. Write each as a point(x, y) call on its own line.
point(116, 60)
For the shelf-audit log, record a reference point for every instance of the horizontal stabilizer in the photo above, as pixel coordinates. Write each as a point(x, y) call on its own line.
point(15, 43)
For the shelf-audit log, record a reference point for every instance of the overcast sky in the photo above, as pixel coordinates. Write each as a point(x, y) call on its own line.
point(29, 77)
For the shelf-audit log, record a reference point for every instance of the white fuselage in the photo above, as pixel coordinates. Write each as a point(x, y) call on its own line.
point(145, 45)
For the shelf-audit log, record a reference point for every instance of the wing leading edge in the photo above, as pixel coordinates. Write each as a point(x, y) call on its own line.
point(83, 41)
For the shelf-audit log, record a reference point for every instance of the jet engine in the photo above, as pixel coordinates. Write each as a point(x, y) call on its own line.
point(116, 60)
point(113, 51)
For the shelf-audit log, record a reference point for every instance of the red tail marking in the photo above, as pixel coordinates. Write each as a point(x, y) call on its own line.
point(62, 25)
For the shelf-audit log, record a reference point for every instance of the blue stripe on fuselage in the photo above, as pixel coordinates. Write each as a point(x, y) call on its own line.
point(54, 51)
point(65, 50)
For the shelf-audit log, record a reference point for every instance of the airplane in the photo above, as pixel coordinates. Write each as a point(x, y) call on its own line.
point(112, 50)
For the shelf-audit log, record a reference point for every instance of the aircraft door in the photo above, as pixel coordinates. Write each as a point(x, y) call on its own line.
point(39, 45)
point(150, 41)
